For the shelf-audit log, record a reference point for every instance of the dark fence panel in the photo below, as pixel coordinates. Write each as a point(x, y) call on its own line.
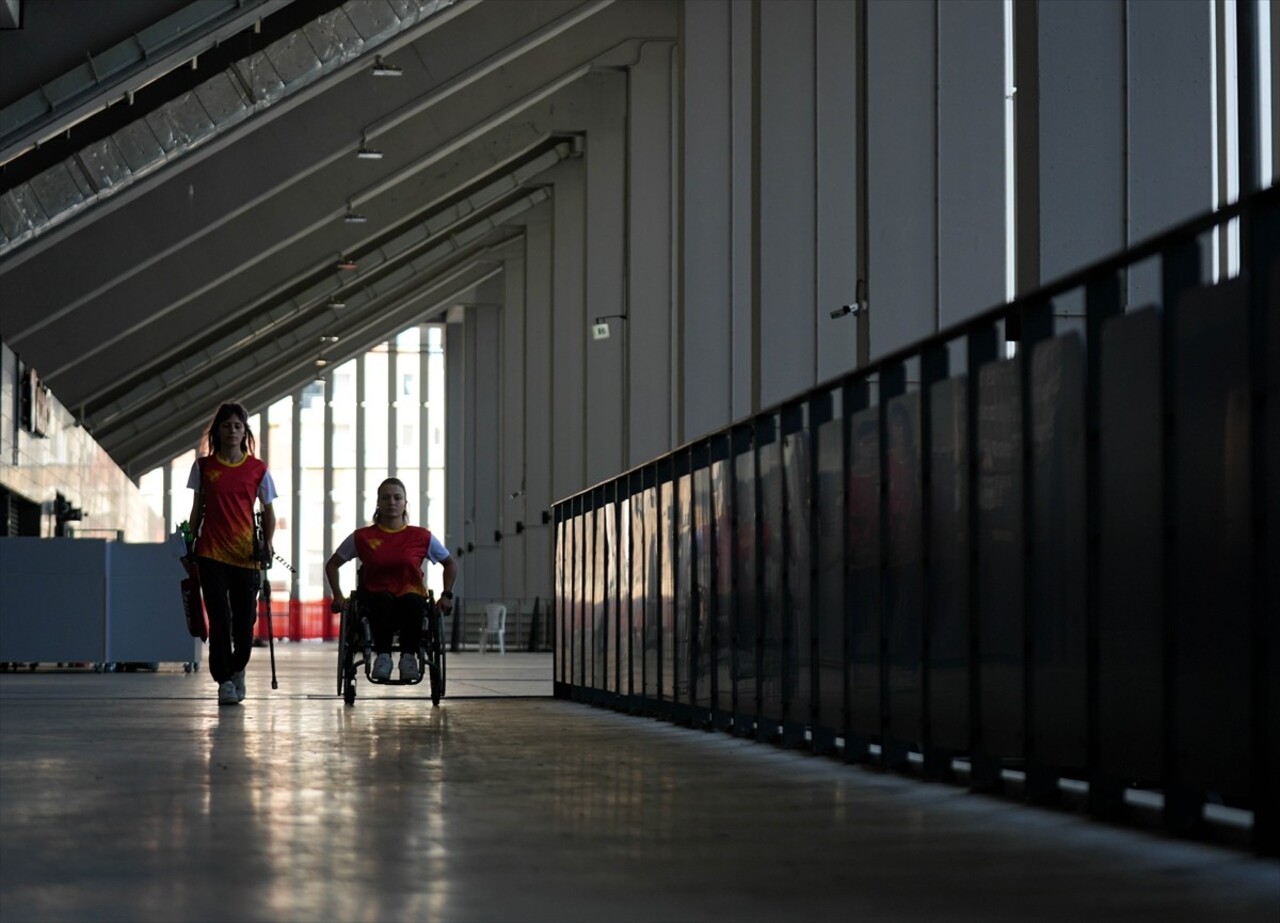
point(1057, 618)
point(746, 585)
point(862, 593)
point(652, 645)
point(1211, 712)
point(1131, 630)
point(773, 600)
point(626, 586)
point(682, 655)
point(828, 603)
point(746, 589)
point(701, 672)
point(1060, 559)
point(722, 549)
point(904, 571)
point(797, 625)
point(1000, 622)
point(949, 567)
point(668, 516)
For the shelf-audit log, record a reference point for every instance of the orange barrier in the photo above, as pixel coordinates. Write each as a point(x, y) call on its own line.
point(299, 620)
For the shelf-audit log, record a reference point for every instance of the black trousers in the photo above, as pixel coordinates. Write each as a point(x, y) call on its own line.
point(231, 601)
point(389, 614)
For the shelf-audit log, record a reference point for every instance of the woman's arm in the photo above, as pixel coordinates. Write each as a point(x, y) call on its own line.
point(335, 584)
point(268, 527)
point(450, 575)
point(197, 513)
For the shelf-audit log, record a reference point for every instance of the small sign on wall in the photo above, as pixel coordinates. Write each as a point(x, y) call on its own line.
point(36, 409)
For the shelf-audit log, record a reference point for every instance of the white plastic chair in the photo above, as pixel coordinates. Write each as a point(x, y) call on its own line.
point(495, 623)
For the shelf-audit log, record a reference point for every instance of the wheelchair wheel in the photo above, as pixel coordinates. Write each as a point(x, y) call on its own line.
point(435, 659)
point(344, 649)
point(436, 671)
point(349, 693)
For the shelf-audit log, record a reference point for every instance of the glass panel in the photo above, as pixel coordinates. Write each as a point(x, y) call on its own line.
point(622, 665)
point(700, 669)
point(606, 597)
point(683, 656)
point(1130, 504)
point(949, 567)
point(723, 541)
point(798, 663)
point(1212, 514)
point(592, 594)
point(1001, 561)
point(828, 605)
point(639, 571)
point(772, 563)
point(862, 628)
point(904, 572)
point(653, 597)
point(667, 511)
point(559, 581)
point(747, 590)
point(1056, 617)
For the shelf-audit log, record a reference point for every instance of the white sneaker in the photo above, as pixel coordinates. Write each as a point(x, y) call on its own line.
point(382, 667)
point(409, 671)
point(227, 694)
point(238, 680)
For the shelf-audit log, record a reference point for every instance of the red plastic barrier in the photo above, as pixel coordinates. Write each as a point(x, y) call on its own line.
point(299, 620)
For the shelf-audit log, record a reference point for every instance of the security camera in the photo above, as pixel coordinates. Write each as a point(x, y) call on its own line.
point(842, 311)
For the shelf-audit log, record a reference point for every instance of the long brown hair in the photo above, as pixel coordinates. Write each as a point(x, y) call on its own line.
point(226, 410)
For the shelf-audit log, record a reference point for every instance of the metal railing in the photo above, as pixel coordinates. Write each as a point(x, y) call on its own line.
point(1041, 542)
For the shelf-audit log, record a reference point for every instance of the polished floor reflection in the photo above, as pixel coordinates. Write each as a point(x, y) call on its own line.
point(135, 797)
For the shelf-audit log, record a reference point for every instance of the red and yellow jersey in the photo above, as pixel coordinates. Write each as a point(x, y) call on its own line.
point(229, 492)
point(391, 561)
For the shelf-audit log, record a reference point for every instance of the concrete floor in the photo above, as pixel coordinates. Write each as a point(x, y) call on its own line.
point(135, 797)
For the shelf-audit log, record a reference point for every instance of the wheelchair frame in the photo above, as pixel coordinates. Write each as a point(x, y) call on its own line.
point(355, 650)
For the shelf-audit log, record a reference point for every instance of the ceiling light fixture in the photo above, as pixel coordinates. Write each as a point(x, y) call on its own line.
point(346, 265)
point(353, 218)
point(328, 338)
point(385, 70)
point(368, 153)
point(336, 304)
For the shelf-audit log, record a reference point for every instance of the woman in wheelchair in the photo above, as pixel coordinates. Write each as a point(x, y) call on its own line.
point(392, 589)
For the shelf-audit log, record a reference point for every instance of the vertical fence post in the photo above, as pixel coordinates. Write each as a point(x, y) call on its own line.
point(981, 347)
point(933, 369)
point(1180, 273)
point(1102, 301)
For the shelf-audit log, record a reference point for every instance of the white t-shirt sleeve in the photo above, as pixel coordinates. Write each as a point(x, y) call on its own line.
point(267, 488)
point(437, 553)
point(347, 550)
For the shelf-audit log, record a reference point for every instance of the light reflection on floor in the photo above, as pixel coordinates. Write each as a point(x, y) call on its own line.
point(135, 797)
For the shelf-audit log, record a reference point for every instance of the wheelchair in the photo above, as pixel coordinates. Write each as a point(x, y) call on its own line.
point(355, 649)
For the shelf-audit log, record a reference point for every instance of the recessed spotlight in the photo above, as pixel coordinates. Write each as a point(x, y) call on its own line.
point(354, 218)
point(328, 338)
point(346, 265)
point(336, 304)
point(368, 153)
point(385, 70)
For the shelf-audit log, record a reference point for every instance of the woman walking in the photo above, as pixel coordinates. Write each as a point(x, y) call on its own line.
point(227, 481)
